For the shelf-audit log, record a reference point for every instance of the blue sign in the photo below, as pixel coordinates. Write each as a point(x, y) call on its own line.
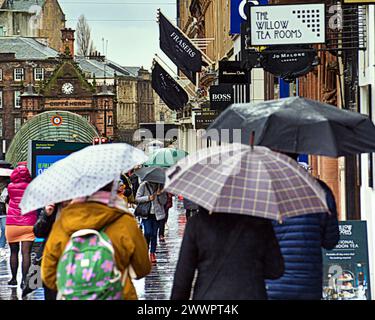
point(238, 15)
point(43, 162)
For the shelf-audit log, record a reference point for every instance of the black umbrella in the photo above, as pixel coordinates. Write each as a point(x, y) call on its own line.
point(300, 126)
point(151, 174)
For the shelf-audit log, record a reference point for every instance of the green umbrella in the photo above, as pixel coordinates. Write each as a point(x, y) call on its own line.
point(165, 157)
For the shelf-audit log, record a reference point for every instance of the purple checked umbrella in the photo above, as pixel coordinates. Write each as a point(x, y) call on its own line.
point(243, 180)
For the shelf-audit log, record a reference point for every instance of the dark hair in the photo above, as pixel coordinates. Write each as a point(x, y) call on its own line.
point(294, 156)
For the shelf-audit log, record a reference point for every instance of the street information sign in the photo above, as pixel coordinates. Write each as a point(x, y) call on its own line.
point(287, 24)
point(346, 273)
point(43, 154)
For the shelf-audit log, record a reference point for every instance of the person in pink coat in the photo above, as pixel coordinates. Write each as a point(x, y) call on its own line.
point(19, 228)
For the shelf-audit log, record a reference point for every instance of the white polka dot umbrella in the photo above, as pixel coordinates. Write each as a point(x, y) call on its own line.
point(80, 174)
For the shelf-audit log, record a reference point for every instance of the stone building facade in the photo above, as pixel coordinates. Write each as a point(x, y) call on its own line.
point(67, 89)
point(134, 103)
point(162, 113)
point(33, 18)
point(22, 61)
point(35, 78)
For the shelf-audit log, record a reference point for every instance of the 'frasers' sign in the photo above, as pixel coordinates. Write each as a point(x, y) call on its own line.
point(287, 24)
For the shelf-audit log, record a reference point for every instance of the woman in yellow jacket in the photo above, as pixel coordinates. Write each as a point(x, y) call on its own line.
point(121, 227)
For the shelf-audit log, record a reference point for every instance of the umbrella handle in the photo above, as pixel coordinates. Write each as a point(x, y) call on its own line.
point(177, 170)
point(252, 139)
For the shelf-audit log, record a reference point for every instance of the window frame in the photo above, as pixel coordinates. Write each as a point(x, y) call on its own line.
point(15, 126)
point(86, 117)
point(15, 99)
point(42, 74)
point(15, 74)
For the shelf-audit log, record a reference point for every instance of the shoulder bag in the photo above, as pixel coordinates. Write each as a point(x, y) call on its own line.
point(143, 209)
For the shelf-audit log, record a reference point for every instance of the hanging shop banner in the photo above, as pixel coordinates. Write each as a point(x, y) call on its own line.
point(191, 75)
point(233, 72)
point(346, 267)
point(174, 96)
point(204, 118)
point(238, 13)
point(179, 48)
point(287, 24)
point(221, 96)
point(288, 62)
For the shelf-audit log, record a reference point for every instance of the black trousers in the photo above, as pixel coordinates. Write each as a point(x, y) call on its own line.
point(162, 224)
point(49, 294)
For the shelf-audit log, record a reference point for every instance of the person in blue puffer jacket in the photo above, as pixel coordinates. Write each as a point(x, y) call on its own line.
point(301, 240)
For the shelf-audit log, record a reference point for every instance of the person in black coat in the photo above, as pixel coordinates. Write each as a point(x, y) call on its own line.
point(233, 255)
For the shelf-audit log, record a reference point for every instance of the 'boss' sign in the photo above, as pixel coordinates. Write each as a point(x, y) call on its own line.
point(221, 96)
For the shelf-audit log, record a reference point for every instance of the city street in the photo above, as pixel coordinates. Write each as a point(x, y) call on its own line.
point(257, 117)
point(156, 286)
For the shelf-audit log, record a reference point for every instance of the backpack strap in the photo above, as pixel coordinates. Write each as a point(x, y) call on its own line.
point(233, 237)
point(85, 232)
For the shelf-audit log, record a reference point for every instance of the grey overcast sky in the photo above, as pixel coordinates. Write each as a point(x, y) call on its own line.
point(129, 26)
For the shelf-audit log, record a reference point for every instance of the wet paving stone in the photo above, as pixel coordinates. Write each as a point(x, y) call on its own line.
point(156, 286)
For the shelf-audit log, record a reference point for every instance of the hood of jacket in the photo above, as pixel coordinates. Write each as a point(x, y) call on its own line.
point(20, 174)
point(88, 215)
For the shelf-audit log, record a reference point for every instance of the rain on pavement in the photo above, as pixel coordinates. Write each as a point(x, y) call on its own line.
point(156, 286)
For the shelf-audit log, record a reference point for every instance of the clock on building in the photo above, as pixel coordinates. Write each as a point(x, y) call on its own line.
point(67, 88)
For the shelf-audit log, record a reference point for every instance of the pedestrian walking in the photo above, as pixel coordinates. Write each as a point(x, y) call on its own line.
point(230, 267)
point(152, 193)
point(19, 228)
point(127, 190)
point(134, 180)
point(62, 268)
point(235, 249)
point(4, 200)
point(163, 222)
point(301, 240)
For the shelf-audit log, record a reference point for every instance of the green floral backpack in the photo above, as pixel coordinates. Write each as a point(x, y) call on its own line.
point(87, 268)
